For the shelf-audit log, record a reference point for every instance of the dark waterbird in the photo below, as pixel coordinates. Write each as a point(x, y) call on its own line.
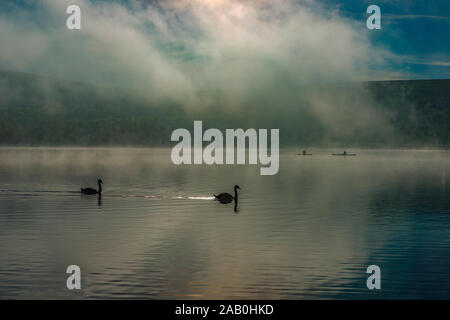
point(92, 190)
point(226, 197)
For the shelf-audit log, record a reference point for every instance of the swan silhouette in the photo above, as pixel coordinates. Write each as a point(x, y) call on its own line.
point(226, 197)
point(92, 190)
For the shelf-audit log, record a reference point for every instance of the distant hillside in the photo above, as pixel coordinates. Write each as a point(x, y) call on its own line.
point(36, 110)
point(41, 111)
point(419, 109)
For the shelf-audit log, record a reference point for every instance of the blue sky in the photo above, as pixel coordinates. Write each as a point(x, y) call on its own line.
point(418, 30)
point(415, 39)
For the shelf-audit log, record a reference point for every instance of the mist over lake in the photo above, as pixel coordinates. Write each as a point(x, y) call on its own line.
point(308, 232)
point(224, 149)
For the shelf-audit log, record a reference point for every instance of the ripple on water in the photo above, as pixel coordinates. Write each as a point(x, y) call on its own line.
point(156, 232)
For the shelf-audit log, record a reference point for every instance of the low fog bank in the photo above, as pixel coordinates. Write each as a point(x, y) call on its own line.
point(37, 110)
point(296, 65)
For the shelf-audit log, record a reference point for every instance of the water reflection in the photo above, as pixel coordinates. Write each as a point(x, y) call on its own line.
point(308, 232)
point(99, 202)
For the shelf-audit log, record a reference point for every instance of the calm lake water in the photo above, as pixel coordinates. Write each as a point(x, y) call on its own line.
point(308, 232)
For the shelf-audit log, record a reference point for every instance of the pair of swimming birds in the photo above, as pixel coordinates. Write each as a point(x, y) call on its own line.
point(222, 198)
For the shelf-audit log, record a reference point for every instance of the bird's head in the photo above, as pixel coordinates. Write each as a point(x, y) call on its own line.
point(100, 181)
point(237, 187)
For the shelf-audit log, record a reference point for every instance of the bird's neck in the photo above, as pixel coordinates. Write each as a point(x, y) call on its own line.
point(99, 187)
point(235, 193)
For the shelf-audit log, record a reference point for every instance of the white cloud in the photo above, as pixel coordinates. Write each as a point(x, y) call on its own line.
point(199, 53)
point(179, 48)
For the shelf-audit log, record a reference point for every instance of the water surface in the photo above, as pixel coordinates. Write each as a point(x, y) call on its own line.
point(308, 232)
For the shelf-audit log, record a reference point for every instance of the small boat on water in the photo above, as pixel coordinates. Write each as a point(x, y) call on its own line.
point(344, 154)
point(304, 153)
